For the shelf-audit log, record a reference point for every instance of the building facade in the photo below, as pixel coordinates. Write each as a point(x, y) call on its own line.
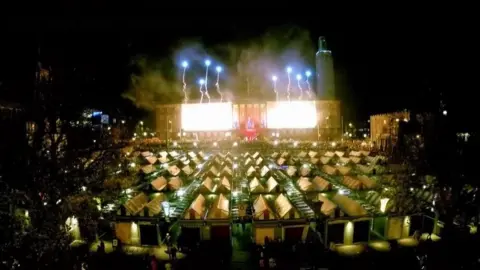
point(384, 128)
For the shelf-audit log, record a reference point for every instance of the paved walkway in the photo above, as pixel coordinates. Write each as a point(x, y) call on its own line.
point(159, 252)
point(240, 246)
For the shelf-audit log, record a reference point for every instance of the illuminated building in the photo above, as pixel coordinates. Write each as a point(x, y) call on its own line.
point(384, 128)
point(325, 77)
point(309, 120)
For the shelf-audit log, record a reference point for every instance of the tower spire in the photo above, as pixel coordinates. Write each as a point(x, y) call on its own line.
point(322, 44)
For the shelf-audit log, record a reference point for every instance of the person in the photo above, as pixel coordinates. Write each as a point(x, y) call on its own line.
point(168, 239)
point(173, 251)
point(101, 247)
point(153, 263)
point(416, 235)
point(271, 263)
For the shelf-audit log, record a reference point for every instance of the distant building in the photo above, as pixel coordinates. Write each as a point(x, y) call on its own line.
point(384, 128)
point(325, 74)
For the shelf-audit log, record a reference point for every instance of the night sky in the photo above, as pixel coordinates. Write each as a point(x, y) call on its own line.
point(379, 68)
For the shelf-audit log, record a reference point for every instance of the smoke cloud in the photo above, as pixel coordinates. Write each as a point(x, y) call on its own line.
point(247, 69)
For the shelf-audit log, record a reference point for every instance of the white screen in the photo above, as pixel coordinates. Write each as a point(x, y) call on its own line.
point(207, 116)
point(291, 114)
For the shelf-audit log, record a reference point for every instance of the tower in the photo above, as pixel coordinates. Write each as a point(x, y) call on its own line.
point(325, 75)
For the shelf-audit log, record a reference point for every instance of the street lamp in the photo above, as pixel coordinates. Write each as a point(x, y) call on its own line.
point(169, 124)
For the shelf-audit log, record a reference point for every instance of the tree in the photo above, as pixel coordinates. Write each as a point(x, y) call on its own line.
point(65, 165)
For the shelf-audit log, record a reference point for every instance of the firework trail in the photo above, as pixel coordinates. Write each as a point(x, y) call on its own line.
point(289, 70)
point(299, 78)
point(207, 63)
point(307, 75)
point(274, 79)
point(201, 82)
point(219, 69)
point(184, 65)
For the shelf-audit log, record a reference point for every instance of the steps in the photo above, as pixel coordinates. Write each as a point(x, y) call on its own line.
point(295, 196)
point(181, 204)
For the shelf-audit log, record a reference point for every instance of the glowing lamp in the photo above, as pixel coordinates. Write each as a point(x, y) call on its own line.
point(207, 62)
point(314, 144)
point(219, 69)
point(289, 69)
point(299, 77)
point(235, 144)
point(383, 204)
point(308, 73)
point(201, 81)
point(215, 144)
point(274, 78)
point(185, 64)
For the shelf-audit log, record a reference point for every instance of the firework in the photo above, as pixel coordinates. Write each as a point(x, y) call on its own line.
point(219, 69)
point(184, 65)
point(299, 78)
point(201, 82)
point(274, 79)
point(207, 64)
point(289, 70)
point(307, 76)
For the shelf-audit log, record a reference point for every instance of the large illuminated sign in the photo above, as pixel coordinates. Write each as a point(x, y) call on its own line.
point(291, 114)
point(207, 116)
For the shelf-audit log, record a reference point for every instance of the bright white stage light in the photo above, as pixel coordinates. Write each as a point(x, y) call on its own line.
point(291, 114)
point(184, 64)
point(299, 77)
point(289, 69)
point(219, 69)
point(207, 62)
point(207, 116)
point(201, 81)
point(274, 78)
point(308, 73)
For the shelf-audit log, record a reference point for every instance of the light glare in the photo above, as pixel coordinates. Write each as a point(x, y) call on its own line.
point(207, 62)
point(308, 73)
point(184, 64)
point(274, 78)
point(289, 69)
point(219, 69)
point(291, 114)
point(299, 77)
point(201, 81)
point(207, 117)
